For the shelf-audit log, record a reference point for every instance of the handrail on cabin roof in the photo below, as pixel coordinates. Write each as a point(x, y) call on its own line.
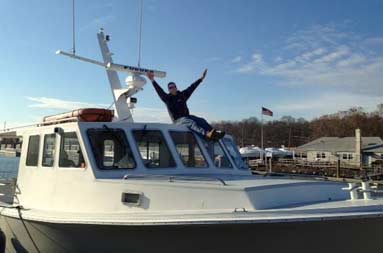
point(171, 178)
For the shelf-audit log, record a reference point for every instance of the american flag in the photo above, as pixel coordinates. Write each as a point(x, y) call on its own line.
point(267, 112)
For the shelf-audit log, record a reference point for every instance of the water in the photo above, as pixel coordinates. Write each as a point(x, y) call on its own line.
point(9, 167)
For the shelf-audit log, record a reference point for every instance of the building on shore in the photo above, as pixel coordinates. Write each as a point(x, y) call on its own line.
point(356, 151)
point(10, 145)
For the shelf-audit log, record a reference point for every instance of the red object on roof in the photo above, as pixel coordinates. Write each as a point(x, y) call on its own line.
point(85, 115)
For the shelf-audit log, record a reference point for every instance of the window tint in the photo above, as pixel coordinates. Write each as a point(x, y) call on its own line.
point(188, 149)
point(70, 151)
point(153, 149)
point(111, 149)
point(217, 154)
point(33, 150)
point(49, 150)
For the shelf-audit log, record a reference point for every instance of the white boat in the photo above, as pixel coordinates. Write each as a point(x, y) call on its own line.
point(278, 152)
point(252, 152)
point(95, 185)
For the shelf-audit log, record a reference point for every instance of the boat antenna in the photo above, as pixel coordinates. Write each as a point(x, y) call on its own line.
point(140, 33)
point(73, 28)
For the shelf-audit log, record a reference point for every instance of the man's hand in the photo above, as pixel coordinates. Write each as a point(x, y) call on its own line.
point(204, 74)
point(150, 75)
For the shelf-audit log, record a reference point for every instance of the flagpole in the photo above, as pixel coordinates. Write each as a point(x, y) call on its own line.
point(262, 135)
point(261, 130)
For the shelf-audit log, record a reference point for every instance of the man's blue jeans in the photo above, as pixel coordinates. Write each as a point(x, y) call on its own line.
point(198, 125)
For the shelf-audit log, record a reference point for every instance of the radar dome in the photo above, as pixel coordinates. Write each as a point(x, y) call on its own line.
point(135, 81)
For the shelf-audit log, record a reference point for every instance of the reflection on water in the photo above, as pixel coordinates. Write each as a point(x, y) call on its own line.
point(9, 167)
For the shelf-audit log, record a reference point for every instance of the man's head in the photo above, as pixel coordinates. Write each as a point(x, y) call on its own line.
point(172, 87)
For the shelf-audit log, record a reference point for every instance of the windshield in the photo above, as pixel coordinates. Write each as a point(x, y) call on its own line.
point(234, 153)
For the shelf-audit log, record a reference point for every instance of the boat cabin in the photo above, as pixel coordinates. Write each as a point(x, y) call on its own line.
point(83, 166)
point(75, 153)
point(115, 149)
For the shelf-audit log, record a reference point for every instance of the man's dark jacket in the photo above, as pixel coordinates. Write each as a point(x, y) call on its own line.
point(176, 104)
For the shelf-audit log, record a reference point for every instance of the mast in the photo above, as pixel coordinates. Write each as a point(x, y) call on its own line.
point(123, 96)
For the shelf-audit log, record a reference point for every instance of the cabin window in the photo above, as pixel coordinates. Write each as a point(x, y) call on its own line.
point(153, 149)
point(70, 151)
point(33, 150)
point(318, 155)
point(49, 150)
point(344, 156)
point(234, 153)
point(350, 157)
point(111, 149)
point(217, 154)
point(188, 149)
point(323, 155)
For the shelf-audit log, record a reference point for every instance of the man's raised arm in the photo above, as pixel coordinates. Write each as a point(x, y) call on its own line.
point(188, 91)
point(161, 93)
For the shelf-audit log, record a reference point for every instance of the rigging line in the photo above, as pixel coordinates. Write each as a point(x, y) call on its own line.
point(26, 229)
point(73, 28)
point(140, 33)
point(111, 105)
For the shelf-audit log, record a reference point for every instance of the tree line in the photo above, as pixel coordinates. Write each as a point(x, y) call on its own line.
point(292, 132)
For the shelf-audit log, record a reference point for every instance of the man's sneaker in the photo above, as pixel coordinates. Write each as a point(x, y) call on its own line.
point(220, 134)
point(217, 135)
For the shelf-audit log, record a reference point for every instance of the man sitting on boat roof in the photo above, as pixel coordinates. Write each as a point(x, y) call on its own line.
point(178, 110)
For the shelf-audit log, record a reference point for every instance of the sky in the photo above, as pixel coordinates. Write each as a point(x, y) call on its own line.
point(295, 57)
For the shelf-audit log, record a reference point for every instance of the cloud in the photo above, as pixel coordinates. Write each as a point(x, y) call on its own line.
point(142, 114)
point(323, 56)
point(255, 65)
point(98, 22)
point(328, 103)
point(236, 59)
point(374, 41)
point(139, 114)
point(59, 104)
point(213, 59)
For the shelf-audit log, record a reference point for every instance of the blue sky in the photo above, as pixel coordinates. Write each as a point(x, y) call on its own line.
point(299, 58)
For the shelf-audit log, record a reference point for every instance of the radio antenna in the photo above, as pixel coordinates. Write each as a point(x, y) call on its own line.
point(140, 33)
point(73, 28)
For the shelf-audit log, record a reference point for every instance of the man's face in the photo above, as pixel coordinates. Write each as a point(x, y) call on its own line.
point(172, 89)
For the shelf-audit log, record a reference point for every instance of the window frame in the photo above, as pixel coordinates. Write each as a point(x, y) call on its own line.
point(61, 144)
point(233, 162)
point(201, 148)
point(54, 150)
point(169, 148)
point(223, 148)
point(126, 139)
point(38, 150)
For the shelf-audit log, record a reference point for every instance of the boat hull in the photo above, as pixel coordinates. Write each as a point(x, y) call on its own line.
point(344, 235)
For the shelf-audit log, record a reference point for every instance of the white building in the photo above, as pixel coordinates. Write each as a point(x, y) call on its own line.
point(355, 151)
